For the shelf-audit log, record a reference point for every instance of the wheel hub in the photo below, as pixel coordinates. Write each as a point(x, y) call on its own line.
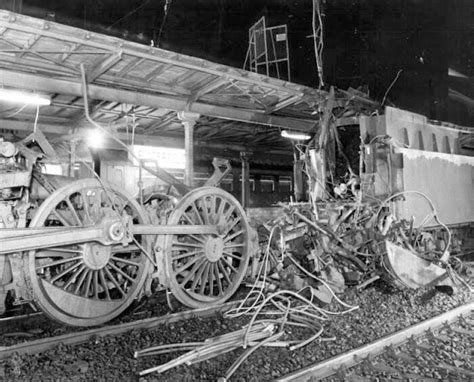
point(96, 256)
point(214, 247)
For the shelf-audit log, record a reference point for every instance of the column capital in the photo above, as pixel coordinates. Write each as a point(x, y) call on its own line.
point(246, 155)
point(188, 117)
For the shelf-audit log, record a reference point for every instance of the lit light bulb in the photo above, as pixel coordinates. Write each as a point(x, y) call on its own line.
point(95, 139)
point(16, 96)
point(295, 135)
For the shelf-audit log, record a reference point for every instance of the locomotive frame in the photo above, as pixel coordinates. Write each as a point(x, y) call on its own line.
point(90, 249)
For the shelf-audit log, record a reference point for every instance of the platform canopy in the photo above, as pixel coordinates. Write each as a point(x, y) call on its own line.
point(139, 89)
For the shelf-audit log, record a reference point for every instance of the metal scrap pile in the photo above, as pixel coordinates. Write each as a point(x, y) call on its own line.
point(308, 257)
point(352, 243)
point(341, 246)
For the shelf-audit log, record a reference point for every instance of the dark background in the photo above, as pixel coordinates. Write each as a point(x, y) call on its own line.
point(366, 42)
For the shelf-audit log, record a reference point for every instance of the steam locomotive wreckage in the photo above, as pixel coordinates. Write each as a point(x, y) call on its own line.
point(82, 250)
point(88, 250)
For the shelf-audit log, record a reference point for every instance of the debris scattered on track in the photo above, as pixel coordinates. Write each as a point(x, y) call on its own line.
point(260, 333)
point(382, 310)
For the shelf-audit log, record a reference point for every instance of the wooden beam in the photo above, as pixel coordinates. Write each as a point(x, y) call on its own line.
point(9, 124)
point(210, 86)
point(73, 87)
point(141, 139)
point(282, 104)
point(105, 65)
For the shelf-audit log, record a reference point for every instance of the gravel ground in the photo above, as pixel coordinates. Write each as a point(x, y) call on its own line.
point(382, 310)
point(442, 356)
point(41, 326)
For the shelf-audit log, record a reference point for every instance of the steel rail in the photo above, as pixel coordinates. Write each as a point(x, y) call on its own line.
point(41, 345)
point(355, 356)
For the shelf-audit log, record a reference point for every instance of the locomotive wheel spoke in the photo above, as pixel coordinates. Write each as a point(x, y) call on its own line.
point(188, 218)
point(125, 261)
point(109, 277)
point(212, 207)
point(233, 236)
point(229, 213)
point(235, 245)
point(114, 281)
point(104, 284)
point(232, 226)
point(96, 285)
point(205, 278)
point(194, 237)
point(187, 265)
point(221, 208)
point(233, 255)
point(192, 222)
point(62, 219)
point(218, 279)
point(198, 277)
point(65, 272)
point(73, 278)
point(205, 211)
point(74, 212)
point(197, 213)
point(88, 284)
point(224, 272)
point(211, 279)
point(86, 207)
point(81, 281)
point(206, 269)
point(57, 262)
point(229, 265)
point(47, 254)
point(186, 254)
point(178, 244)
point(193, 271)
point(118, 270)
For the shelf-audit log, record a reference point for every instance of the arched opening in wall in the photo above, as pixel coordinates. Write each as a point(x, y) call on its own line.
point(446, 145)
point(434, 142)
point(421, 144)
point(405, 139)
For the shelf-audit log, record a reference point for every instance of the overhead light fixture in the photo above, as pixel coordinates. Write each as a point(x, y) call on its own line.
point(454, 73)
point(17, 96)
point(95, 138)
point(295, 135)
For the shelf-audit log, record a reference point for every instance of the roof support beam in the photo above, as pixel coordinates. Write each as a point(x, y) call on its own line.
point(73, 87)
point(209, 87)
point(141, 139)
point(284, 103)
point(9, 124)
point(105, 65)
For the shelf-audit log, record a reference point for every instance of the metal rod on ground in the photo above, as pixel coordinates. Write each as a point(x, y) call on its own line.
point(248, 352)
point(216, 346)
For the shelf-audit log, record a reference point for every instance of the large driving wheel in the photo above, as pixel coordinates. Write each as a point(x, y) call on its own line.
point(204, 269)
point(88, 283)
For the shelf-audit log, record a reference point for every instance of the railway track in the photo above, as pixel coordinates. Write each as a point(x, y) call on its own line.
point(404, 355)
point(108, 350)
point(43, 344)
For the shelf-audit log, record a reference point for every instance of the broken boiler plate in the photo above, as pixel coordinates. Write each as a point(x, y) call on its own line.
point(407, 269)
